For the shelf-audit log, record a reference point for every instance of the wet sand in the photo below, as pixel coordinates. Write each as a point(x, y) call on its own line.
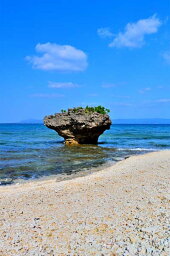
point(122, 210)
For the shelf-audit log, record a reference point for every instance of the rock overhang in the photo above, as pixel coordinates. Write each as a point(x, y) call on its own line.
point(78, 127)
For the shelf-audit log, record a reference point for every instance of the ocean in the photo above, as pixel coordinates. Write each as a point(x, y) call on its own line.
point(32, 151)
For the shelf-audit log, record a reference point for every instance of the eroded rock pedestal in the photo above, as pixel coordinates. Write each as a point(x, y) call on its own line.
point(78, 127)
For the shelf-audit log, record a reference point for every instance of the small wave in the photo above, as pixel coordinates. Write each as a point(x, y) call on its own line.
point(2, 143)
point(136, 149)
point(161, 145)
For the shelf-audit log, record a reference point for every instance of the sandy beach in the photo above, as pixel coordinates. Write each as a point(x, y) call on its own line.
point(122, 210)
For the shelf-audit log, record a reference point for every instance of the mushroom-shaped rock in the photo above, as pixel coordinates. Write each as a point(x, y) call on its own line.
point(78, 127)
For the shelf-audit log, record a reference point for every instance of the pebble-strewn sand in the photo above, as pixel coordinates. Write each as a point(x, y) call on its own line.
point(119, 211)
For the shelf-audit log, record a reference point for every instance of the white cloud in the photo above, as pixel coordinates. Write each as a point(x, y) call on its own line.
point(62, 85)
point(134, 33)
point(58, 57)
point(145, 90)
point(166, 56)
point(44, 95)
point(104, 32)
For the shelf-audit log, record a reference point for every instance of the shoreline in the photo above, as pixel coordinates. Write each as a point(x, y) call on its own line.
point(64, 176)
point(92, 173)
point(121, 208)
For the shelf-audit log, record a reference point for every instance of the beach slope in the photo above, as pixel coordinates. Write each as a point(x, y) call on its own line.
point(122, 210)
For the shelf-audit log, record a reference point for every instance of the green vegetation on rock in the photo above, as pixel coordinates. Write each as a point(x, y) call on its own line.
point(63, 111)
point(99, 109)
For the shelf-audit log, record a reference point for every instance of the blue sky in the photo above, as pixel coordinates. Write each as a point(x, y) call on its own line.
point(66, 53)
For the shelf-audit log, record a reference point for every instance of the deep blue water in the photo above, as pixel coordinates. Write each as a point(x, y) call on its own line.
point(29, 151)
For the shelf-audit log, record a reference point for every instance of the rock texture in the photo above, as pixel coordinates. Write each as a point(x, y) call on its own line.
point(78, 127)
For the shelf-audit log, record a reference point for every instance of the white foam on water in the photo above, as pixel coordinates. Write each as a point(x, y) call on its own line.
point(136, 149)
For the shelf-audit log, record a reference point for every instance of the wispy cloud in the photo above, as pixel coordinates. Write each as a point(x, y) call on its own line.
point(134, 33)
point(123, 104)
point(93, 95)
point(59, 85)
point(90, 104)
point(107, 85)
point(162, 100)
point(142, 91)
point(121, 96)
point(58, 57)
point(156, 101)
point(166, 56)
point(45, 95)
point(104, 32)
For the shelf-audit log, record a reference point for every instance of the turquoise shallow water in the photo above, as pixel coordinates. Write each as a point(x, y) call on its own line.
point(30, 151)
